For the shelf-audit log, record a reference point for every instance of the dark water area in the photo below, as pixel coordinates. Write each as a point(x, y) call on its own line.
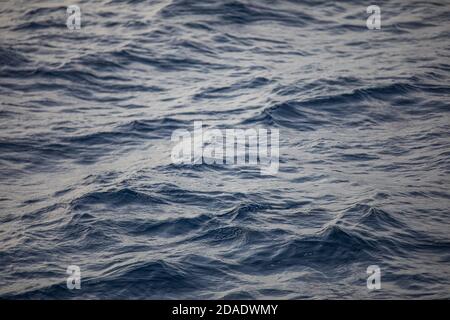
point(86, 119)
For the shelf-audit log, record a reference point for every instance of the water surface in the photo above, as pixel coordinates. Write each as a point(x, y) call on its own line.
point(86, 175)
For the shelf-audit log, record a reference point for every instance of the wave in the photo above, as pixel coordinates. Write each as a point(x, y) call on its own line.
point(86, 120)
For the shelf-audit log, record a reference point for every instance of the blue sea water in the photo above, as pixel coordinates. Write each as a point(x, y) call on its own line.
point(86, 119)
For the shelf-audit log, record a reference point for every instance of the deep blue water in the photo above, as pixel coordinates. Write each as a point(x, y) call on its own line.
point(86, 175)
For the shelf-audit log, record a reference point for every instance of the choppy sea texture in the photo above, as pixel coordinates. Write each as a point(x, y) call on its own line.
point(86, 175)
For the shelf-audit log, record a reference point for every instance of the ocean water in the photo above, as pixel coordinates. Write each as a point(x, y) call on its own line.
point(86, 119)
